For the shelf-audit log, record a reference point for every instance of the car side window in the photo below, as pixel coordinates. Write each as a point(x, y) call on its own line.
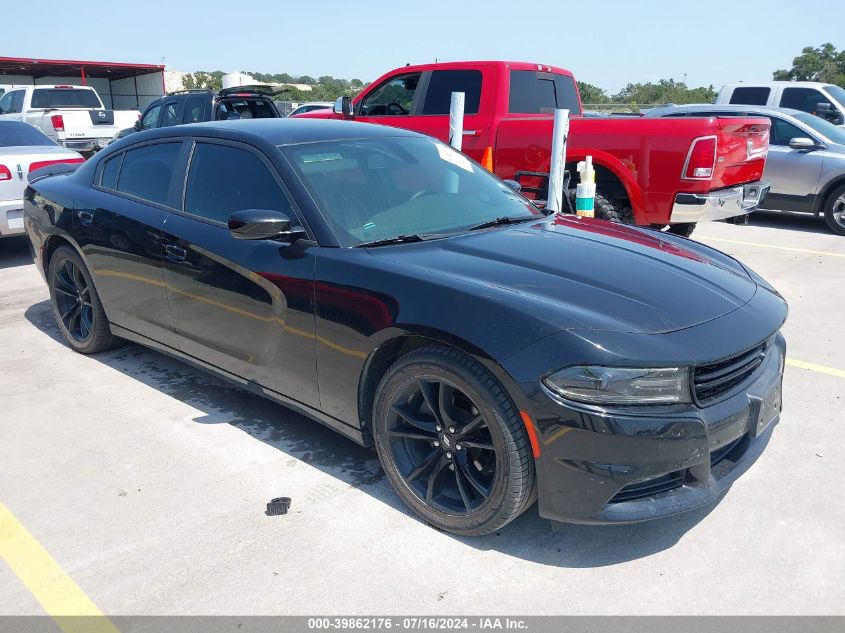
point(147, 171)
point(195, 109)
point(170, 114)
point(443, 83)
point(750, 95)
point(223, 179)
point(150, 119)
point(806, 99)
point(782, 132)
point(533, 92)
point(110, 170)
point(12, 102)
point(395, 97)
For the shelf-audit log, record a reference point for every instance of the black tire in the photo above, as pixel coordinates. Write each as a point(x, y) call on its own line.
point(76, 304)
point(684, 229)
point(504, 470)
point(834, 210)
point(607, 209)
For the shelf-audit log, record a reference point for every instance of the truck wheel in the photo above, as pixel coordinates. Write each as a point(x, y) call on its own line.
point(452, 443)
point(606, 209)
point(834, 211)
point(76, 304)
point(684, 229)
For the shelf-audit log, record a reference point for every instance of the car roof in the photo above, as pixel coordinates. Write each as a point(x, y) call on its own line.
point(707, 107)
point(772, 84)
point(281, 131)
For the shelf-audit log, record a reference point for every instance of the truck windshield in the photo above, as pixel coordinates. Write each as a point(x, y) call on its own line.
point(828, 130)
point(836, 92)
point(64, 98)
point(379, 189)
point(18, 134)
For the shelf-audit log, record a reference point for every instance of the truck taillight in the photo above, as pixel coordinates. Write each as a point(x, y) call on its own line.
point(5, 174)
point(701, 159)
point(47, 163)
point(58, 122)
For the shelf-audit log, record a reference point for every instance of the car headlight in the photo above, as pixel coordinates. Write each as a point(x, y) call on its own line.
point(621, 385)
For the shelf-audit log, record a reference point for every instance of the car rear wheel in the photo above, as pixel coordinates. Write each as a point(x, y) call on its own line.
point(76, 305)
point(834, 211)
point(452, 443)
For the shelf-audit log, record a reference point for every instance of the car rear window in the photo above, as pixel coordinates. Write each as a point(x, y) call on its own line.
point(750, 95)
point(147, 171)
point(443, 83)
point(245, 108)
point(64, 98)
point(534, 92)
point(16, 134)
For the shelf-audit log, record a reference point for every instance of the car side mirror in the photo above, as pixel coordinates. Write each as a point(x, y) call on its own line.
point(802, 143)
point(263, 224)
point(513, 184)
point(137, 125)
point(827, 112)
point(343, 106)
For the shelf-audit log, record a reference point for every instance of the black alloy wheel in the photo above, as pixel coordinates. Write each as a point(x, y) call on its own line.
point(452, 443)
point(76, 304)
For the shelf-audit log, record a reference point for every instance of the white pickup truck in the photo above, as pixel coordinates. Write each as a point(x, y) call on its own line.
point(73, 116)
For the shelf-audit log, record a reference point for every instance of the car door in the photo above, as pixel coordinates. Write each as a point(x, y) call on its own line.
point(171, 112)
point(151, 116)
point(793, 173)
point(396, 102)
point(11, 105)
point(117, 224)
point(244, 306)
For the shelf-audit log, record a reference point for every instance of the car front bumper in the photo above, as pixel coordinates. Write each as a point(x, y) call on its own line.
point(11, 218)
point(718, 205)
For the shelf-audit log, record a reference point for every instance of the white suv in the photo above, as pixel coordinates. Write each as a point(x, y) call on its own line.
point(824, 100)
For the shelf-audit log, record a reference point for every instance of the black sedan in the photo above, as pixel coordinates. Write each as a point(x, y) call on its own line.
point(390, 288)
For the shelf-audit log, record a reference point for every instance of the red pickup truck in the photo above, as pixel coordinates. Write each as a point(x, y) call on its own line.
point(662, 172)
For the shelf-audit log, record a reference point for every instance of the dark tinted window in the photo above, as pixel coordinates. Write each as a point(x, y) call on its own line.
point(228, 109)
point(64, 98)
point(17, 133)
point(805, 99)
point(150, 118)
point(782, 132)
point(534, 92)
point(111, 168)
point(224, 179)
point(11, 102)
point(195, 109)
point(170, 114)
point(750, 95)
point(147, 171)
point(443, 83)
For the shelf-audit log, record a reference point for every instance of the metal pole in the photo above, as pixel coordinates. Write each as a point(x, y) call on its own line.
point(456, 120)
point(558, 160)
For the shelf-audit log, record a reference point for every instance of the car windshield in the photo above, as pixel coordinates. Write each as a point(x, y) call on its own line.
point(17, 134)
point(64, 98)
point(837, 92)
point(378, 189)
point(825, 128)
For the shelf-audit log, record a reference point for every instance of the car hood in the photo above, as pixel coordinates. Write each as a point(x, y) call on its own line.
point(588, 274)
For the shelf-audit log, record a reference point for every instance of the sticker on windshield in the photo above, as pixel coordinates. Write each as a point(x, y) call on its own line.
point(454, 157)
point(321, 158)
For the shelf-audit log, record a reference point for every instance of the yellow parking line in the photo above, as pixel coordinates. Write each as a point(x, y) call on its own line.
point(830, 371)
point(780, 248)
point(52, 587)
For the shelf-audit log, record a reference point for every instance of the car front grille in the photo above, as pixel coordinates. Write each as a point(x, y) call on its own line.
point(650, 487)
point(715, 379)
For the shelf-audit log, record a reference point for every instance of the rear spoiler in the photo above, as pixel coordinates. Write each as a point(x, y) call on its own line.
point(52, 170)
point(258, 90)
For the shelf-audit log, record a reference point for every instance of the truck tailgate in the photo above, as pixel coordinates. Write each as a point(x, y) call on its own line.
point(742, 145)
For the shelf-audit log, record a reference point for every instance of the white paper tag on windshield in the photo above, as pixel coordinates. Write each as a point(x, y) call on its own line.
point(452, 156)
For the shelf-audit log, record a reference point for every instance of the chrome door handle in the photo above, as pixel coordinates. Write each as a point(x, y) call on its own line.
point(85, 217)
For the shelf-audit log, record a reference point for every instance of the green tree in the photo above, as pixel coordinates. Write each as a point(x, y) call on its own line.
point(824, 63)
point(203, 80)
point(592, 94)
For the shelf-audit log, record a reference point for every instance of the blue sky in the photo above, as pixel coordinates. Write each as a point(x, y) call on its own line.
point(605, 42)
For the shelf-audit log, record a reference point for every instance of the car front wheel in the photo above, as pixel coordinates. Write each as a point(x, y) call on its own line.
point(452, 443)
point(76, 305)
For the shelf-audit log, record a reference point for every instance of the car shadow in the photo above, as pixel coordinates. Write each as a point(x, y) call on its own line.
point(529, 537)
point(803, 222)
point(14, 251)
